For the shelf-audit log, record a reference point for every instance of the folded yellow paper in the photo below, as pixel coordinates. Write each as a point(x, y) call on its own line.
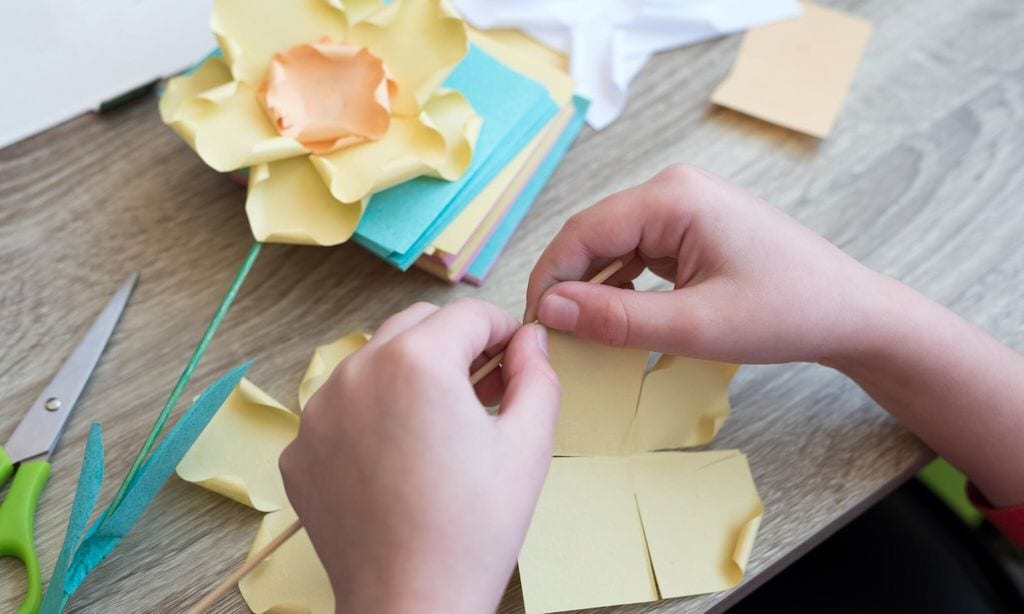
point(325, 359)
point(291, 580)
point(609, 407)
point(629, 529)
point(236, 454)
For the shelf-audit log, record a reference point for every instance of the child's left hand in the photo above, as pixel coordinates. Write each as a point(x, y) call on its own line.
point(415, 498)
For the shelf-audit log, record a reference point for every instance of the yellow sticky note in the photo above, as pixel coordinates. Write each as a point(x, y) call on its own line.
point(236, 454)
point(629, 529)
point(600, 391)
point(585, 546)
point(796, 73)
point(291, 580)
point(700, 513)
point(325, 359)
point(683, 403)
point(609, 407)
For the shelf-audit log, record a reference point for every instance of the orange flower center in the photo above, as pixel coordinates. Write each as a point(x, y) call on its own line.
point(328, 95)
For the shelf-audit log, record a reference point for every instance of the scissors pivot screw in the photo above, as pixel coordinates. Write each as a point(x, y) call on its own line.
point(52, 404)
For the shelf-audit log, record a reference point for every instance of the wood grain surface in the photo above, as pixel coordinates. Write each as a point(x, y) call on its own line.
point(922, 179)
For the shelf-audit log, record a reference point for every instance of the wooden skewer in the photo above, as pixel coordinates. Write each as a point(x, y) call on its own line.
point(495, 360)
point(213, 596)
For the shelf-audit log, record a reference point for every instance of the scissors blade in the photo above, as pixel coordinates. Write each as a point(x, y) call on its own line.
point(41, 427)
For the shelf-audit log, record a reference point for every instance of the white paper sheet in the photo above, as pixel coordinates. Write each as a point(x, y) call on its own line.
point(609, 41)
point(64, 58)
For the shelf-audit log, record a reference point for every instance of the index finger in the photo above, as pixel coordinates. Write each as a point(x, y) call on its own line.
point(645, 219)
point(462, 331)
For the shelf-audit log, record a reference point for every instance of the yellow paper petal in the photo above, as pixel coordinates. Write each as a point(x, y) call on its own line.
point(288, 202)
point(250, 32)
point(325, 359)
point(420, 42)
point(629, 529)
point(236, 454)
point(684, 401)
point(585, 546)
point(600, 389)
point(438, 143)
point(451, 114)
point(213, 72)
point(700, 512)
point(357, 10)
point(409, 149)
point(227, 128)
point(291, 580)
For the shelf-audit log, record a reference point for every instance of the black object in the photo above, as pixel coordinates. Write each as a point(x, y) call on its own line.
point(908, 553)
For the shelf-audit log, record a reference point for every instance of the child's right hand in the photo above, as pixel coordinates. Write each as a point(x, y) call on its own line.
point(751, 284)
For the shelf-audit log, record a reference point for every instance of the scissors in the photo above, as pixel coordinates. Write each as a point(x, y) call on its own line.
point(35, 438)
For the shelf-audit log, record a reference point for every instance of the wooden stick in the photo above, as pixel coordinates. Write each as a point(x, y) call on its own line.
point(213, 596)
point(495, 360)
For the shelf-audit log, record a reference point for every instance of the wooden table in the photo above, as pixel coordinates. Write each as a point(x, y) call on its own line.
point(922, 179)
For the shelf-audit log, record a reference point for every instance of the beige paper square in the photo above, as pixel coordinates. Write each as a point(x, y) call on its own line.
point(796, 73)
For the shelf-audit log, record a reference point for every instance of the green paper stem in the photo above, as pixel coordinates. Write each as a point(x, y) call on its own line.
point(179, 387)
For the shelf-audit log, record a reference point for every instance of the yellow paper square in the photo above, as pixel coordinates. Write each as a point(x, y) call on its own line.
point(600, 390)
point(585, 546)
point(683, 403)
point(700, 513)
point(609, 407)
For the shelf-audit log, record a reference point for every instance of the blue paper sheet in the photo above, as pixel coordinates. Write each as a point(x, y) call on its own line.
point(90, 478)
point(400, 222)
point(76, 560)
point(489, 253)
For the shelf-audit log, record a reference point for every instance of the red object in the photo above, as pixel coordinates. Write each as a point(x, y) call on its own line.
point(1010, 520)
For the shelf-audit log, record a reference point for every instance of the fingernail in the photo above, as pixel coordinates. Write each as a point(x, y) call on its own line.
point(542, 337)
point(558, 312)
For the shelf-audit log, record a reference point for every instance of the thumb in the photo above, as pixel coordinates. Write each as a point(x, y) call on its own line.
point(529, 408)
point(667, 322)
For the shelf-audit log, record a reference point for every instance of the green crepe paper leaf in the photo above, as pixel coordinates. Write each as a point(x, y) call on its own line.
point(104, 535)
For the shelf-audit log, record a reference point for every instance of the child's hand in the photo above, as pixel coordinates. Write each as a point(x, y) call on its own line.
point(751, 284)
point(414, 497)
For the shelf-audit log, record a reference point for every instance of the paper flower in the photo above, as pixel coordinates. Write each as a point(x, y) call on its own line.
point(326, 102)
point(636, 524)
point(236, 456)
point(624, 517)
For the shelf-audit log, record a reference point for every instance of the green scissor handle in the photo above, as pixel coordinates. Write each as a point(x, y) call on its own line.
point(17, 512)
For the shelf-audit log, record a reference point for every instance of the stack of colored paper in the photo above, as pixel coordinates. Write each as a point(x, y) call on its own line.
point(457, 229)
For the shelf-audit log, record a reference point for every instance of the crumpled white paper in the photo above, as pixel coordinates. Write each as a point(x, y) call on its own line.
point(609, 41)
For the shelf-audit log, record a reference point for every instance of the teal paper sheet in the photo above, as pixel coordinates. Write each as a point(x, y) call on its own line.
point(78, 556)
point(400, 222)
point(489, 253)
